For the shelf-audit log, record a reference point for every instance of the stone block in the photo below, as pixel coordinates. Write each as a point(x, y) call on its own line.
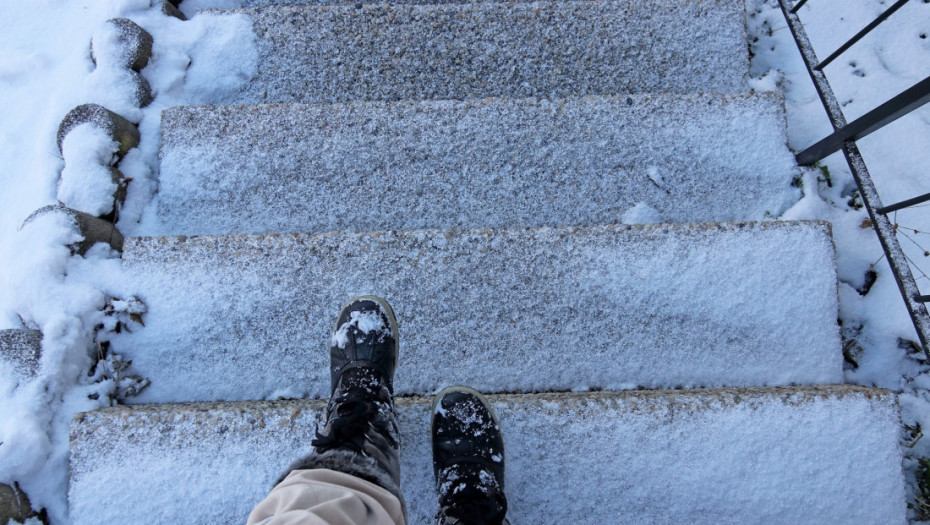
point(126, 42)
point(21, 349)
point(125, 133)
point(511, 309)
point(477, 50)
point(92, 229)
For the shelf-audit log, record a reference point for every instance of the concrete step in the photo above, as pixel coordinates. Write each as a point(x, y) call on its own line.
point(456, 51)
point(509, 310)
point(20, 351)
point(788, 455)
point(473, 164)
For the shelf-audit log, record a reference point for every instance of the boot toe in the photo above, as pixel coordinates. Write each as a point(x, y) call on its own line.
point(365, 335)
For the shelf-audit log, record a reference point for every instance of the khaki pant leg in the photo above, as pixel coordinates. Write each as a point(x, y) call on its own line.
point(327, 497)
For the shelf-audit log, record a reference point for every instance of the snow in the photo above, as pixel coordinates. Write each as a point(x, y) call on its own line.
point(592, 159)
point(46, 70)
point(115, 44)
point(671, 305)
point(342, 53)
point(895, 56)
point(87, 183)
point(642, 213)
point(363, 322)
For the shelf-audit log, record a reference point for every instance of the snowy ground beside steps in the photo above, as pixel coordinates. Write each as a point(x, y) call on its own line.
point(45, 71)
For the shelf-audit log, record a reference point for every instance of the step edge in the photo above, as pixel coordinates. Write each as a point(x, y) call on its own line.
point(131, 243)
point(798, 394)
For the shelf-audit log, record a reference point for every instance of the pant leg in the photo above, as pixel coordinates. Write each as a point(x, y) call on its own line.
point(327, 497)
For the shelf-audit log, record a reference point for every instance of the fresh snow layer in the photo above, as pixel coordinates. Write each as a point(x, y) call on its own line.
point(87, 183)
point(787, 455)
point(455, 51)
point(487, 163)
point(249, 317)
point(46, 71)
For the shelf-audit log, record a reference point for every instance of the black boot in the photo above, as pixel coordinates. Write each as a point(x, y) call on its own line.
point(468, 459)
point(360, 436)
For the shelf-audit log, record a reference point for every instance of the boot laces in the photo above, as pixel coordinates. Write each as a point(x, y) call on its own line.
point(355, 409)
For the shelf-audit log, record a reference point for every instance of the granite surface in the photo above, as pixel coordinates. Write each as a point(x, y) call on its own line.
point(455, 51)
point(480, 163)
point(20, 350)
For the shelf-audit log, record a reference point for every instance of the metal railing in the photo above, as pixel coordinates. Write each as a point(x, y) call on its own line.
point(844, 139)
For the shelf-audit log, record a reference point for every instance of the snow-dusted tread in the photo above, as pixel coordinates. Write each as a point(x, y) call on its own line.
point(509, 310)
point(455, 51)
point(472, 164)
point(19, 353)
point(785, 455)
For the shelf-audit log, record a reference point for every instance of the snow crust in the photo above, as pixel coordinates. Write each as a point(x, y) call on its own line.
point(706, 456)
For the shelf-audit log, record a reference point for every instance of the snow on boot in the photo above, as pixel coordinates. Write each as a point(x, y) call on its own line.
point(365, 336)
point(360, 435)
point(468, 459)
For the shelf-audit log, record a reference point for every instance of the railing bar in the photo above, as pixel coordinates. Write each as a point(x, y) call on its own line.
point(798, 6)
point(923, 298)
point(902, 104)
point(881, 18)
point(904, 204)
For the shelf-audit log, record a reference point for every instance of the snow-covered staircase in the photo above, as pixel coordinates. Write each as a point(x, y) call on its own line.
point(490, 222)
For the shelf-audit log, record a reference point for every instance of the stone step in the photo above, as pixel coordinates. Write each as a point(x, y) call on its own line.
point(472, 164)
point(509, 310)
point(200, 5)
point(786, 455)
point(20, 351)
point(456, 51)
